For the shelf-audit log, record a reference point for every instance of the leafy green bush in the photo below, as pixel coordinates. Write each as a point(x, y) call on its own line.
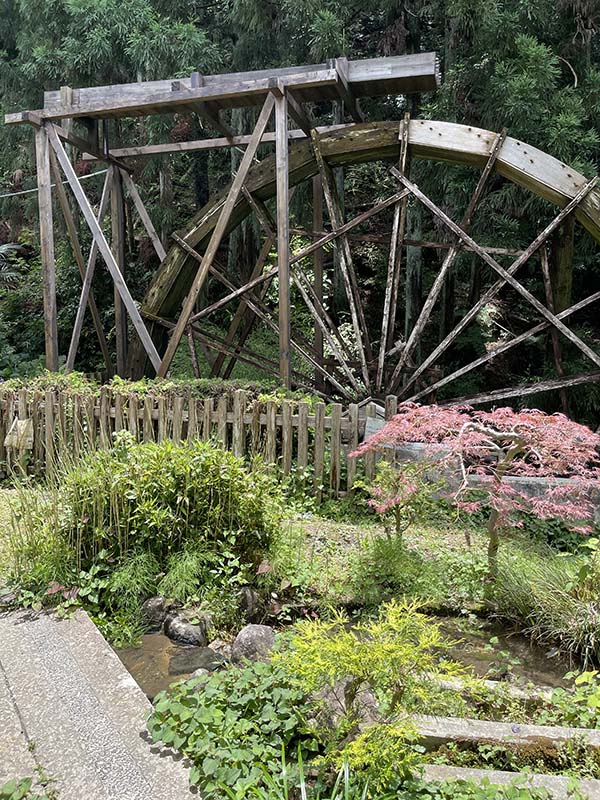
point(232, 724)
point(164, 498)
point(578, 707)
point(397, 660)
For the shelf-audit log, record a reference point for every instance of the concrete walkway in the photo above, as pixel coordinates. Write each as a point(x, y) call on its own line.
point(68, 705)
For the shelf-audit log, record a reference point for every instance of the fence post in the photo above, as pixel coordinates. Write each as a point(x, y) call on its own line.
point(336, 446)
point(271, 445)
point(104, 418)
point(49, 430)
point(133, 410)
point(192, 426)
point(287, 436)
point(148, 418)
point(319, 454)
point(302, 435)
point(207, 419)
point(255, 428)
point(177, 434)
point(371, 412)
point(238, 436)
point(352, 444)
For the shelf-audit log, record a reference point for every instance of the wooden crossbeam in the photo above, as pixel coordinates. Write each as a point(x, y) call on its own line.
point(144, 216)
point(263, 214)
point(242, 312)
point(204, 110)
point(217, 235)
point(346, 264)
point(81, 264)
point(301, 115)
point(449, 260)
point(257, 307)
point(88, 277)
point(282, 179)
point(493, 291)
point(161, 101)
point(117, 216)
point(526, 389)
point(502, 348)
point(103, 246)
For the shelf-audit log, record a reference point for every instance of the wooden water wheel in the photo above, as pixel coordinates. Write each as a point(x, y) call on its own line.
point(376, 358)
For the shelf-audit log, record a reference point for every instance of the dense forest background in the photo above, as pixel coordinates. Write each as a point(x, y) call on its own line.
point(531, 66)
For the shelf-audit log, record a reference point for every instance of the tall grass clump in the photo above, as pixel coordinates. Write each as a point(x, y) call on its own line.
point(136, 514)
point(542, 592)
point(167, 497)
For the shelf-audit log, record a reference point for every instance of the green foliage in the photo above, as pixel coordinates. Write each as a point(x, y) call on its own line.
point(25, 789)
point(232, 724)
point(577, 707)
point(397, 659)
point(166, 497)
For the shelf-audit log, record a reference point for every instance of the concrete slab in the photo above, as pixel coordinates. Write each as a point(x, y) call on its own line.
point(435, 731)
point(83, 712)
point(559, 787)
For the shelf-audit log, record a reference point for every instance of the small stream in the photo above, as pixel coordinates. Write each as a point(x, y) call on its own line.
point(158, 662)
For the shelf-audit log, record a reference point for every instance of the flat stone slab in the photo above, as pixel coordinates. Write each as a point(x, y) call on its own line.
point(558, 786)
point(435, 731)
point(69, 705)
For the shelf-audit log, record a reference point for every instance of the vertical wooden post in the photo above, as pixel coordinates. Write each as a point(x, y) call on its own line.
point(271, 444)
point(117, 214)
point(336, 448)
point(283, 236)
point(317, 222)
point(319, 453)
point(352, 443)
point(42, 157)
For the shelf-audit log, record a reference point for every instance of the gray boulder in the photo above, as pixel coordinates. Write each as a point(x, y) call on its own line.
point(253, 643)
point(183, 632)
point(249, 603)
point(155, 611)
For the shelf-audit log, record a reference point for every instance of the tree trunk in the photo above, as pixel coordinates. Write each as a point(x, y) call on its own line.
point(561, 264)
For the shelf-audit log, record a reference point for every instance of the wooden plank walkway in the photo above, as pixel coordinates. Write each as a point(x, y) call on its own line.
point(68, 704)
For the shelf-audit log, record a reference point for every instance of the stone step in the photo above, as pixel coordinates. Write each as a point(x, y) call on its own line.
point(435, 731)
point(81, 713)
point(558, 786)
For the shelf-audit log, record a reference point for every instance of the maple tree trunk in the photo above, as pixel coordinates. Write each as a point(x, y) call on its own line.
point(493, 544)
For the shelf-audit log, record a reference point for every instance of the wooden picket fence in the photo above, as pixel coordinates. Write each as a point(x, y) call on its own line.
point(40, 429)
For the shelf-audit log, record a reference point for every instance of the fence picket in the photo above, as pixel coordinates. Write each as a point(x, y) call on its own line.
point(319, 453)
point(238, 435)
point(335, 448)
point(271, 442)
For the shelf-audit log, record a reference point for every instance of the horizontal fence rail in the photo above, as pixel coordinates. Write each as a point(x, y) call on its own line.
point(39, 430)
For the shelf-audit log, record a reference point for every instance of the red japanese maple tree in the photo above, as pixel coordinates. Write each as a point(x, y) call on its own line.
point(481, 450)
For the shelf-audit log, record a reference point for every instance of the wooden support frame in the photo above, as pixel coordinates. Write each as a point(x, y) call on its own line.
point(117, 218)
point(554, 338)
point(42, 156)
point(317, 223)
point(216, 237)
point(493, 291)
point(447, 263)
point(81, 264)
point(523, 390)
point(346, 264)
point(283, 235)
point(103, 246)
point(388, 322)
point(88, 277)
point(502, 348)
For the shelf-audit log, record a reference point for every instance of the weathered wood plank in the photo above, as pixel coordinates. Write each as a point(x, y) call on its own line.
point(42, 157)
